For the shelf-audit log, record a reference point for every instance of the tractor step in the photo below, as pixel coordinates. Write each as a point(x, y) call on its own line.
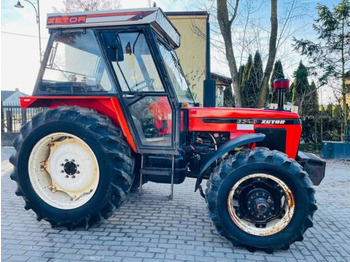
point(169, 172)
point(155, 171)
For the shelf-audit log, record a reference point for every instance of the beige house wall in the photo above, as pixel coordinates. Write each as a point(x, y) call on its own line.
point(192, 50)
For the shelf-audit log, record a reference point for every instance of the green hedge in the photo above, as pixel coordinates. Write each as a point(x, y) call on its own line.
point(310, 147)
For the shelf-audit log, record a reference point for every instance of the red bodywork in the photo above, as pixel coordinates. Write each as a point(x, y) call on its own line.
point(236, 121)
point(241, 121)
point(108, 106)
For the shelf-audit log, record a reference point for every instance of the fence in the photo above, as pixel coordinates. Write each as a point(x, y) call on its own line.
point(347, 134)
point(12, 119)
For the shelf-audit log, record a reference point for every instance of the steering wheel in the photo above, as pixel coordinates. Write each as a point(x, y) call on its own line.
point(142, 85)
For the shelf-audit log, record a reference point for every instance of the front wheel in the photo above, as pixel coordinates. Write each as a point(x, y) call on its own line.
point(260, 199)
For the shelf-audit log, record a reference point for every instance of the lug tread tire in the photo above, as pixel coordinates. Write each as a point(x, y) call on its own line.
point(116, 151)
point(247, 157)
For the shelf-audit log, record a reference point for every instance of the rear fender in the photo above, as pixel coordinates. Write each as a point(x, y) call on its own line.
point(108, 106)
point(227, 147)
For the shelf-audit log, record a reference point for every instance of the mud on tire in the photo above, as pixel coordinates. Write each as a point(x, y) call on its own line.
point(260, 199)
point(73, 167)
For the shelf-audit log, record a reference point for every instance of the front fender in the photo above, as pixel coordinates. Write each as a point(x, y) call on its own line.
point(227, 147)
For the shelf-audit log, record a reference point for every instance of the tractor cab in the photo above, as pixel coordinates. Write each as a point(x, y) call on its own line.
point(127, 54)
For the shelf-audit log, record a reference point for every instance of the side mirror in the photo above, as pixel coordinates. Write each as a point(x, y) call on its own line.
point(113, 45)
point(119, 50)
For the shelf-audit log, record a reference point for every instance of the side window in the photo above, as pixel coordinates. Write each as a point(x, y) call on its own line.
point(152, 117)
point(135, 68)
point(76, 66)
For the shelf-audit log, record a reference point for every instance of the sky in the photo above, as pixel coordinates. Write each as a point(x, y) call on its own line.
point(20, 49)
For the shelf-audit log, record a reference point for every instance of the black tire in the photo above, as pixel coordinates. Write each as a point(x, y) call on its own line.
point(136, 183)
point(237, 192)
point(104, 142)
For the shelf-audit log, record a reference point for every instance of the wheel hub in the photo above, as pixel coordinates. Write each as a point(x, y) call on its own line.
point(70, 168)
point(260, 205)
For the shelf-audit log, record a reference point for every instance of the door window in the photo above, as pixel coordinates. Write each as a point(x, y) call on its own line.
point(152, 117)
point(134, 67)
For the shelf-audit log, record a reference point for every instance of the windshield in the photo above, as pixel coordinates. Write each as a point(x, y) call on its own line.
point(176, 75)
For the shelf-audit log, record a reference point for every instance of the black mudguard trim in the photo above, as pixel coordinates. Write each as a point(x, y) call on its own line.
point(313, 165)
point(227, 147)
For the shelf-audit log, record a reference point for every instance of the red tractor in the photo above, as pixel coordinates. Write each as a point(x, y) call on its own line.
point(120, 113)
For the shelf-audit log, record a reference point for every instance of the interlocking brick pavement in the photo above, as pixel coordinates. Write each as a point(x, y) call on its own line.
point(152, 228)
point(6, 167)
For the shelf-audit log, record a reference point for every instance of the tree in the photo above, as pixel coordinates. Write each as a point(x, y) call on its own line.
point(225, 24)
point(276, 73)
point(272, 54)
point(332, 51)
point(229, 100)
point(252, 77)
point(305, 97)
point(244, 85)
point(330, 120)
point(255, 79)
point(89, 5)
point(312, 107)
point(240, 75)
point(300, 88)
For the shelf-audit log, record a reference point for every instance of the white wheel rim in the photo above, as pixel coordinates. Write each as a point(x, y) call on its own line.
point(63, 171)
point(273, 226)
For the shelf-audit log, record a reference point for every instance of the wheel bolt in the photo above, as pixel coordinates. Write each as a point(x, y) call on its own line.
point(66, 160)
point(73, 160)
point(73, 176)
point(62, 171)
point(78, 172)
point(62, 164)
point(67, 176)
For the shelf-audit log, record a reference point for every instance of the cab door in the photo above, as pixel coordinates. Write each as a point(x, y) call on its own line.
point(147, 105)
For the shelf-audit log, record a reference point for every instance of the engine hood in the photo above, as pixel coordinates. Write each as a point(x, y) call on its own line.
point(240, 113)
point(282, 128)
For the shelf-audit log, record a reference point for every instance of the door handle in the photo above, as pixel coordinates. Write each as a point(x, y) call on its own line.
point(128, 96)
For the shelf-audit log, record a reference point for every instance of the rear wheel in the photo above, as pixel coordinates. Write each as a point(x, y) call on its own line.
point(72, 166)
point(260, 199)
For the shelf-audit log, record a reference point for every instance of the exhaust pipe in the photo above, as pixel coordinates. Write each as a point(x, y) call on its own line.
point(281, 85)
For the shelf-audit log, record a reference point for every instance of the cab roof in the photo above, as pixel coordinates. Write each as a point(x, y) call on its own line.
point(152, 16)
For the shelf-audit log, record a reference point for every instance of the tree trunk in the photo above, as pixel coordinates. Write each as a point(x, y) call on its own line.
point(345, 115)
point(272, 54)
point(225, 27)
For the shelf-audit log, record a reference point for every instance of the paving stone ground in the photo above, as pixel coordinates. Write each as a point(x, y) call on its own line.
point(151, 228)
